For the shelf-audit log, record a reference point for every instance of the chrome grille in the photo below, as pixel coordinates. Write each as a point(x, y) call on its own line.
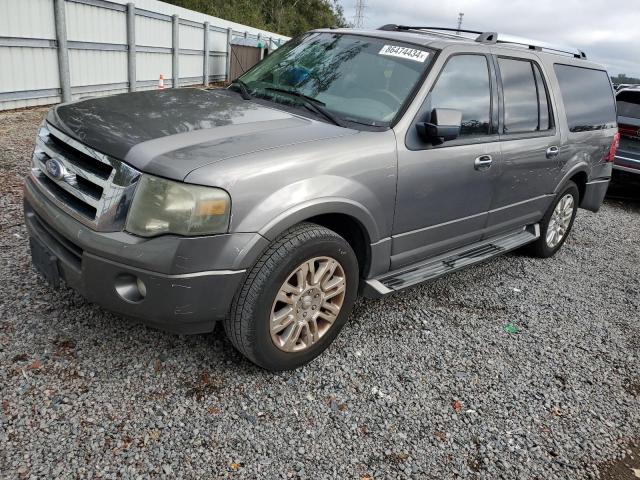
point(92, 187)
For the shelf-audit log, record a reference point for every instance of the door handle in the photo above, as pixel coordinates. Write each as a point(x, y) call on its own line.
point(552, 152)
point(483, 162)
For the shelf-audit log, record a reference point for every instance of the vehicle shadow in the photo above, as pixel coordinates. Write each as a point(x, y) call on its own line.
point(624, 191)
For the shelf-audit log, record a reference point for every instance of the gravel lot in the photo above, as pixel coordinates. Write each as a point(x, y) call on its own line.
point(423, 384)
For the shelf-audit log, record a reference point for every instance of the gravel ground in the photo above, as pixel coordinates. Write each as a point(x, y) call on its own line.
point(423, 384)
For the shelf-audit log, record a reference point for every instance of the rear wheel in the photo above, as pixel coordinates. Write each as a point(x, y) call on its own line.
point(557, 223)
point(296, 299)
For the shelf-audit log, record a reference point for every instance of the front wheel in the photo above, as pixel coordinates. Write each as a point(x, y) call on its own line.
point(557, 222)
point(296, 298)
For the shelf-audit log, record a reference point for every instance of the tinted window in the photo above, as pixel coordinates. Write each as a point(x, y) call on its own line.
point(629, 104)
point(587, 97)
point(464, 85)
point(520, 96)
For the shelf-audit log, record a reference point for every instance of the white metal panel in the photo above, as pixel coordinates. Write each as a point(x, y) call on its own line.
point(191, 37)
point(25, 68)
point(151, 65)
point(32, 102)
point(218, 42)
point(105, 93)
point(86, 23)
point(218, 65)
point(168, 9)
point(97, 67)
point(27, 19)
point(153, 33)
point(191, 65)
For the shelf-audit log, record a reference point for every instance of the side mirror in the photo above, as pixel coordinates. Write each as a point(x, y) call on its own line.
point(444, 126)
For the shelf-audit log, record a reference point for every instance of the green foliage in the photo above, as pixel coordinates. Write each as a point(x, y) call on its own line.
point(286, 17)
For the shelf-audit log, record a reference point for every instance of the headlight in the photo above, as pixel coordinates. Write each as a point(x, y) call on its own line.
point(162, 206)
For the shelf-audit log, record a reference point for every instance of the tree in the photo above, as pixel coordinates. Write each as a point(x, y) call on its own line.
point(286, 17)
point(622, 78)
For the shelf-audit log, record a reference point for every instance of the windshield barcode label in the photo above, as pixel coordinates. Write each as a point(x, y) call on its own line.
point(404, 52)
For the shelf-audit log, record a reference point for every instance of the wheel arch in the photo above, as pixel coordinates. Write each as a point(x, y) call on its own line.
point(347, 218)
point(579, 176)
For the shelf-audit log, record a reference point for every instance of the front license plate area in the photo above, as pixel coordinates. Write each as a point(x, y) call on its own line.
point(45, 262)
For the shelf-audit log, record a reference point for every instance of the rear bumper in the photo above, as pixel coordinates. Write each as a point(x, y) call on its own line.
point(594, 194)
point(176, 302)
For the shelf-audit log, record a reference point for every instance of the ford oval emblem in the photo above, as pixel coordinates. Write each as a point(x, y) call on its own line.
point(55, 168)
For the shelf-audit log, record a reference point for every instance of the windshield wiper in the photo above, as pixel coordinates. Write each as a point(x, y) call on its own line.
point(244, 89)
point(311, 103)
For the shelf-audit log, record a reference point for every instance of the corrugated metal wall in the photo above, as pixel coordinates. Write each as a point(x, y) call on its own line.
point(97, 48)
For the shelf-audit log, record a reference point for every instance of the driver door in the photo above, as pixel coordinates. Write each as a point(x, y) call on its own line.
point(445, 191)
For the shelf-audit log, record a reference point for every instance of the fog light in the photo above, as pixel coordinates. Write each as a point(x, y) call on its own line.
point(130, 288)
point(142, 288)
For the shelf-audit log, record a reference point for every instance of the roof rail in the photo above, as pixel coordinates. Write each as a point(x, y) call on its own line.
point(492, 38)
point(444, 29)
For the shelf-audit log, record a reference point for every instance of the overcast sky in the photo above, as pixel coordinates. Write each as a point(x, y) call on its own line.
point(608, 31)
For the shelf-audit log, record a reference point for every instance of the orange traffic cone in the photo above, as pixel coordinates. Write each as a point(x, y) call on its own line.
point(161, 82)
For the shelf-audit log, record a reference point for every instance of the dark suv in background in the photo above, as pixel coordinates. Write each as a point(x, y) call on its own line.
point(346, 162)
point(627, 159)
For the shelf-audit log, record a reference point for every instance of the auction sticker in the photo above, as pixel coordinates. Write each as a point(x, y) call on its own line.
point(404, 52)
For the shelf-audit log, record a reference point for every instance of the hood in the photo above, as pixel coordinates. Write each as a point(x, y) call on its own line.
point(175, 131)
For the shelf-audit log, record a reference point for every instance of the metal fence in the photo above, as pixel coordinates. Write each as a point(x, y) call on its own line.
point(60, 50)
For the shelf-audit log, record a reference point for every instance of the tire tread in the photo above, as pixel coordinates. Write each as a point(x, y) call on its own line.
point(237, 324)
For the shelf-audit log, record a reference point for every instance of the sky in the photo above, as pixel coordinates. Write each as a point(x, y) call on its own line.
point(608, 31)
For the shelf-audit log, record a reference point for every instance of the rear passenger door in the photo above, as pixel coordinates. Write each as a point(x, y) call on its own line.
point(530, 143)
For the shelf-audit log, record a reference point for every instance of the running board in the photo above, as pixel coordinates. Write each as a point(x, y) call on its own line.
point(449, 262)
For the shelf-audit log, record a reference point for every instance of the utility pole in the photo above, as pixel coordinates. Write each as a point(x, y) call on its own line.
point(358, 19)
point(460, 15)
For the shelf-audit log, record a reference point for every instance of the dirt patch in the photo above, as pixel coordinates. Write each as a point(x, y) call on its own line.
point(623, 468)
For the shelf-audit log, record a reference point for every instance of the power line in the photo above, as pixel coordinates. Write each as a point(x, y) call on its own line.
point(358, 18)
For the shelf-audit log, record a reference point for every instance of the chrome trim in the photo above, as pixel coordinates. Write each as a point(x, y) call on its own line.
point(627, 159)
point(116, 187)
point(627, 169)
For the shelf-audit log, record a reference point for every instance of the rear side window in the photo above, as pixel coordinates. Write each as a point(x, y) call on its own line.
point(526, 107)
point(629, 104)
point(587, 97)
point(464, 85)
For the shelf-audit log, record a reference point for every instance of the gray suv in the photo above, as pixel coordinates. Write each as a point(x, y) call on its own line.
point(347, 162)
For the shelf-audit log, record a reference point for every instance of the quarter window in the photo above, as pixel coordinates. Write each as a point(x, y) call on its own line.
point(526, 105)
point(587, 97)
point(464, 85)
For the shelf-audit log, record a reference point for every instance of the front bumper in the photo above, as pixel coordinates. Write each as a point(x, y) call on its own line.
point(176, 300)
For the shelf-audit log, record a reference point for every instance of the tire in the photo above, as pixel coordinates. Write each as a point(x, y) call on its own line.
point(249, 324)
point(541, 248)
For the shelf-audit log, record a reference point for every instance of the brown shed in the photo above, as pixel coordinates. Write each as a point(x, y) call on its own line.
point(245, 53)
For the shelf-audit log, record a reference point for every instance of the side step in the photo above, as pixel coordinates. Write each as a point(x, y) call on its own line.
point(449, 262)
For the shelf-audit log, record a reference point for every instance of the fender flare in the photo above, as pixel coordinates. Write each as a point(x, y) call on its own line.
point(581, 167)
point(322, 206)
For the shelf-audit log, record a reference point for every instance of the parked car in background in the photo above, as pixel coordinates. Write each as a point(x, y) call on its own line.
point(627, 158)
point(346, 162)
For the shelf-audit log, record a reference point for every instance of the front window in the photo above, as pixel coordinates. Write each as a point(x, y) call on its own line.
point(357, 78)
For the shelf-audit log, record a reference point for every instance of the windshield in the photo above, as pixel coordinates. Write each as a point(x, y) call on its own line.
point(358, 78)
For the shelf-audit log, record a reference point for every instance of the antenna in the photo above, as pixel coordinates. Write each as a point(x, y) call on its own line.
point(358, 18)
point(460, 15)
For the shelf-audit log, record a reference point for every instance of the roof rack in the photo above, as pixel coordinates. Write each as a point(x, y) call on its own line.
point(493, 38)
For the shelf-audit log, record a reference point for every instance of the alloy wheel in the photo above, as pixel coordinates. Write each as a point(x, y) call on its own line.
point(560, 221)
point(307, 304)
